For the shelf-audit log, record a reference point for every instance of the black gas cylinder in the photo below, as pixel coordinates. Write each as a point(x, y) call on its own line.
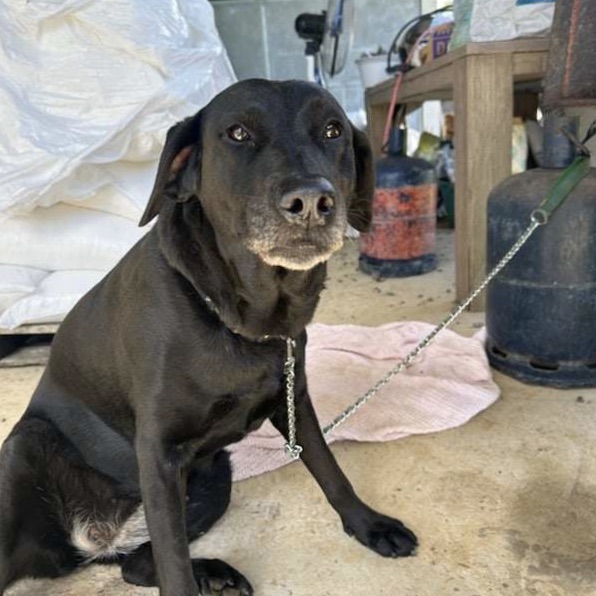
point(541, 309)
point(401, 241)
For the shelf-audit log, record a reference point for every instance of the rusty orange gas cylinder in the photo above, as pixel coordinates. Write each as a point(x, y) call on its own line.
point(401, 241)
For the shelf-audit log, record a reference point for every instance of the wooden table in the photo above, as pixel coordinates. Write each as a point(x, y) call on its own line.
point(480, 78)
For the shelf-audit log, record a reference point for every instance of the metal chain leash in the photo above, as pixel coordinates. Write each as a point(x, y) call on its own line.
point(295, 450)
point(539, 217)
point(447, 321)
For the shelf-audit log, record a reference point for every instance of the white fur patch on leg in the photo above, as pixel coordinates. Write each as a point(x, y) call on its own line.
point(99, 539)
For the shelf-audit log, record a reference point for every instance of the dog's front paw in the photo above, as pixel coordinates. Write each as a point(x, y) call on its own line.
point(386, 536)
point(216, 578)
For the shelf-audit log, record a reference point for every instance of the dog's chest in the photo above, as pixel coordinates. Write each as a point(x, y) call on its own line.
point(239, 397)
point(246, 410)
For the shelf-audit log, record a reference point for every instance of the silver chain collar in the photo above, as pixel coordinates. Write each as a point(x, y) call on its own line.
point(292, 448)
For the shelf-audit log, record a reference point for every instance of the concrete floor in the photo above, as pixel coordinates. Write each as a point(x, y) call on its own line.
point(505, 505)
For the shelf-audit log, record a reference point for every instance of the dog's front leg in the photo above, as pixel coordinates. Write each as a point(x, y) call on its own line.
point(387, 536)
point(163, 498)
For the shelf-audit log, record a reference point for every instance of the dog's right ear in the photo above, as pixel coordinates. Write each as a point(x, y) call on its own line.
point(178, 173)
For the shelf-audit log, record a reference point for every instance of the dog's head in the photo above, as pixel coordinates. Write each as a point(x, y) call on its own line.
point(276, 166)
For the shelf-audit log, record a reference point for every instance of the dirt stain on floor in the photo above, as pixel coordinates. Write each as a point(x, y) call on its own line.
point(555, 535)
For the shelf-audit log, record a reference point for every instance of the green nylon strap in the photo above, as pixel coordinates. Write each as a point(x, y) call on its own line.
point(563, 185)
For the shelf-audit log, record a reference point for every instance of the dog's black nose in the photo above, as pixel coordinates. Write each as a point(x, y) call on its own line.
point(308, 203)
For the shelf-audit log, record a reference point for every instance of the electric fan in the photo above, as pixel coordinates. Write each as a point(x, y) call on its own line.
point(328, 39)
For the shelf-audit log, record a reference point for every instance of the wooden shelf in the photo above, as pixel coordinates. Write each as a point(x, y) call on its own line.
point(481, 79)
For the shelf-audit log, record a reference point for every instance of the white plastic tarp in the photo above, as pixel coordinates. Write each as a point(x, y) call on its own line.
point(88, 83)
point(88, 90)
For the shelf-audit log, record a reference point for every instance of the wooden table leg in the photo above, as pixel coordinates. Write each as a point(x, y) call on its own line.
point(376, 115)
point(483, 109)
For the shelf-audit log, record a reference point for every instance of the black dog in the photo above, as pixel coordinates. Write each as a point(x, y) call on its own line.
point(180, 351)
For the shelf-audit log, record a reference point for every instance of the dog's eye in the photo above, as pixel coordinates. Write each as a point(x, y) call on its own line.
point(238, 134)
point(333, 130)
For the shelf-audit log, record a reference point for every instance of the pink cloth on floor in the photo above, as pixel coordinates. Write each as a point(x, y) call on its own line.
point(445, 386)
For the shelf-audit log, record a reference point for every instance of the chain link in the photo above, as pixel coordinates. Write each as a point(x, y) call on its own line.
point(292, 448)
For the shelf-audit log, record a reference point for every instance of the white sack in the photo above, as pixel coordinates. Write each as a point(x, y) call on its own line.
point(126, 195)
point(65, 237)
point(16, 282)
point(496, 20)
point(109, 200)
point(52, 300)
point(85, 83)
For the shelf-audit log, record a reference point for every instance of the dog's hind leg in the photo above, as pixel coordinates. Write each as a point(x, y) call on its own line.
point(56, 512)
point(207, 498)
point(33, 539)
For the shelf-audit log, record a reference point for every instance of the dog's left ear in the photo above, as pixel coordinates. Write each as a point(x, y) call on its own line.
point(360, 209)
point(178, 173)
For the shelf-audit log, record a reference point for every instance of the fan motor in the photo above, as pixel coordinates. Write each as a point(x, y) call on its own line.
point(311, 27)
